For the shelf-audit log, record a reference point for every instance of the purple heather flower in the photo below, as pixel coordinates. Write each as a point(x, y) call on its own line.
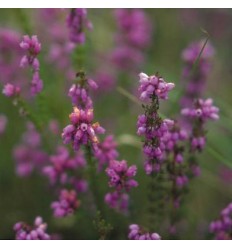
point(62, 164)
point(77, 22)
point(10, 90)
point(66, 205)
point(26, 232)
point(151, 132)
point(181, 181)
point(80, 185)
point(92, 84)
point(106, 151)
point(134, 27)
point(118, 201)
point(203, 110)
point(79, 92)
point(221, 228)
point(172, 138)
point(121, 175)
point(82, 131)
point(80, 96)
point(136, 233)
point(198, 143)
point(132, 37)
point(33, 47)
point(153, 85)
point(36, 83)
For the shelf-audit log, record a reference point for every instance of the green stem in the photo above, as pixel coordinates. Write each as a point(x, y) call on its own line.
point(151, 201)
point(102, 227)
point(93, 178)
point(156, 200)
point(78, 57)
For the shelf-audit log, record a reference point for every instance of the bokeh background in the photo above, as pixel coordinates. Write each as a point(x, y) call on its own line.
point(172, 31)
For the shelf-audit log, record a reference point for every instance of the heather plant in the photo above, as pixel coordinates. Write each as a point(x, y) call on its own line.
point(76, 154)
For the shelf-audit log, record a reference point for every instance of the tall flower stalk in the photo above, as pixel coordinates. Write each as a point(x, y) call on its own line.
point(153, 128)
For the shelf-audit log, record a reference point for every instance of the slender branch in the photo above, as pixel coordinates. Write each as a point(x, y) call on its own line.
point(128, 95)
point(196, 62)
point(218, 156)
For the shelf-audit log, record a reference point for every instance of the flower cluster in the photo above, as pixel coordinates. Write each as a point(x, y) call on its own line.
point(136, 233)
point(196, 80)
point(153, 128)
point(106, 151)
point(222, 227)
point(153, 86)
point(150, 125)
point(202, 111)
point(172, 138)
point(120, 176)
point(28, 155)
point(10, 90)
point(118, 201)
point(67, 203)
point(64, 167)
point(77, 22)
point(37, 232)
point(133, 35)
point(79, 92)
point(82, 131)
point(33, 47)
point(176, 169)
point(134, 26)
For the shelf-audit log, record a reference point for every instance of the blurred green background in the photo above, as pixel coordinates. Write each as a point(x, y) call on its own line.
point(173, 30)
